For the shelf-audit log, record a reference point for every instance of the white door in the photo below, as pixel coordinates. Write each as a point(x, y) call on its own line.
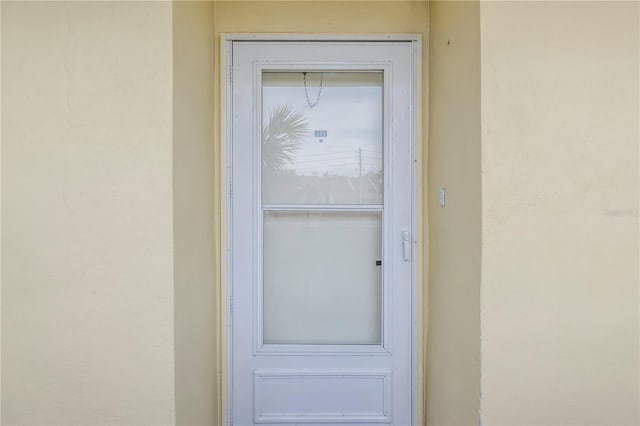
point(322, 168)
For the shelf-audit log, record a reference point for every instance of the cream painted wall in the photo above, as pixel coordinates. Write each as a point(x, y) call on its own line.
point(560, 111)
point(196, 215)
point(87, 250)
point(453, 347)
point(107, 157)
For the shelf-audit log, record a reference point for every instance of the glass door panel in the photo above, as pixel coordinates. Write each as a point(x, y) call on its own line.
point(322, 277)
point(322, 202)
point(322, 137)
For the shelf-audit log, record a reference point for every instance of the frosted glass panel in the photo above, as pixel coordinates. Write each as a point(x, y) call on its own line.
point(322, 137)
point(321, 281)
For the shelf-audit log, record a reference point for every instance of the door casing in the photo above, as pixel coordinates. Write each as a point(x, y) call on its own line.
point(226, 339)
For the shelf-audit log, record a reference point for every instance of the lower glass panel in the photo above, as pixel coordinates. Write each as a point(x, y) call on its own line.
point(322, 281)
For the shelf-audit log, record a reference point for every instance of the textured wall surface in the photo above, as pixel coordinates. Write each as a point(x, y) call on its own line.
point(196, 215)
point(453, 354)
point(560, 110)
point(87, 278)
point(111, 148)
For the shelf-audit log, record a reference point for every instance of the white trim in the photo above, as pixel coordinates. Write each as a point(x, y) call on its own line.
point(258, 332)
point(324, 207)
point(230, 37)
point(385, 375)
point(416, 102)
point(258, 219)
point(280, 349)
point(226, 61)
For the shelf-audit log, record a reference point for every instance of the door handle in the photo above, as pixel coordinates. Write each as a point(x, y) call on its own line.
point(406, 246)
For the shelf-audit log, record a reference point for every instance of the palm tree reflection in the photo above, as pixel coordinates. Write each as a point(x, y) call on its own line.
point(335, 177)
point(281, 138)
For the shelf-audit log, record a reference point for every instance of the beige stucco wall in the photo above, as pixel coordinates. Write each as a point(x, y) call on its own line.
point(87, 297)
point(560, 111)
point(196, 215)
point(453, 354)
point(101, 166)
point(111, 150)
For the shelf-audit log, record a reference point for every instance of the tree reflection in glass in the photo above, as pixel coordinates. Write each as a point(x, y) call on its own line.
point(324, 153)
point(281, 138)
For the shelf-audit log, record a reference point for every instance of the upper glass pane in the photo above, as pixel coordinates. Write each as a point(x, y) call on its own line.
point(322, 137)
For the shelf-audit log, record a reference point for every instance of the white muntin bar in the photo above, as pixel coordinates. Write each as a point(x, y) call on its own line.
point(324, 207)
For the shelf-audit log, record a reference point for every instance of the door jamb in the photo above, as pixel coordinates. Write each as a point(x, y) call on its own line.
point(226, 291)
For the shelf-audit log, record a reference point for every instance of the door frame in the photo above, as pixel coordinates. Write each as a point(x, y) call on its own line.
point(226, 291)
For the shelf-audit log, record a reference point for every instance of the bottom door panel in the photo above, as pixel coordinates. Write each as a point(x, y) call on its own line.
point(312, 396)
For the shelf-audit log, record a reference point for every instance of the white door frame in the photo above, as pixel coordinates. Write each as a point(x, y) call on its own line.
point(226, 223)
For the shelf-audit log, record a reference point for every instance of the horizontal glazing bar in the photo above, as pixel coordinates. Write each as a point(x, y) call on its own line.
point(324, 207)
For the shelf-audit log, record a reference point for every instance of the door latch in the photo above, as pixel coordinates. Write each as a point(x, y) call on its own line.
point(406, 246)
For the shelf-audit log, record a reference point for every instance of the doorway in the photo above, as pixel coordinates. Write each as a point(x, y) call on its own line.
point(322, 230)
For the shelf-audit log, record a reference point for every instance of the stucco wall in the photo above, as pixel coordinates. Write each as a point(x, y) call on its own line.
point(87, 298)
point(97, 158)
point(560, 110)
point(453, 354)
point(196, 215)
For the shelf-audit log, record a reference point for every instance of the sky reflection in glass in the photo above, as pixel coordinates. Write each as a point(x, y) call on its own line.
point(327, 154)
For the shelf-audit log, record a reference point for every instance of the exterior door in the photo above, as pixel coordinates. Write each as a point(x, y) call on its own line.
point(322, 232)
